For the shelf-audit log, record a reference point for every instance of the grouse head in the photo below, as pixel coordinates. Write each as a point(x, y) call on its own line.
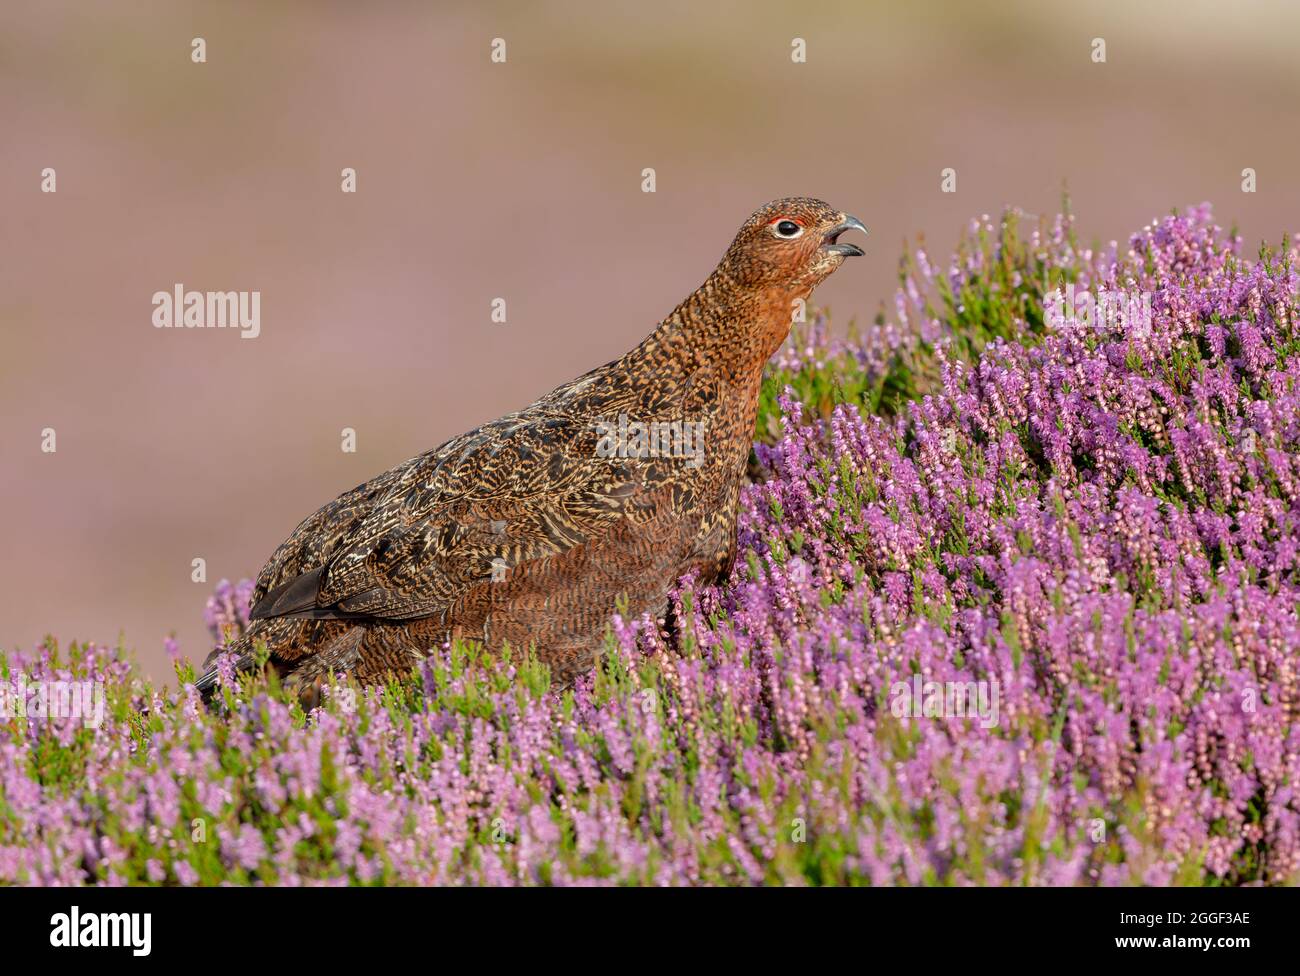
point(790, 246)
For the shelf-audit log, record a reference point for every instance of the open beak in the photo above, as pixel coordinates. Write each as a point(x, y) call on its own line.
point(832, 238)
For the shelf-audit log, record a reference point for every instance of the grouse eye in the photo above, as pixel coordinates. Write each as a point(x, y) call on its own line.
point(788, 229)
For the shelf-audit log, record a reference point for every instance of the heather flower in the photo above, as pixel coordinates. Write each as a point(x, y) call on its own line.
point(226, 613)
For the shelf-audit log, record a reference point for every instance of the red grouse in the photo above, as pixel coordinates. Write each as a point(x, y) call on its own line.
point(531, 528)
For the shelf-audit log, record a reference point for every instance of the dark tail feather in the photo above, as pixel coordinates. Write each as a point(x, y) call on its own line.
point(297, 596)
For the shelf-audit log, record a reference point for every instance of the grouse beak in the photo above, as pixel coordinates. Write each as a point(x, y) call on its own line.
point(832, 236)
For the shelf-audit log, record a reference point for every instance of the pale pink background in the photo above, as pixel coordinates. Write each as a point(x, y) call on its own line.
point(478, 180)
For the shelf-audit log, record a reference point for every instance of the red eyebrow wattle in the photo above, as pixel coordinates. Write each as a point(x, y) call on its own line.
point(777, 220)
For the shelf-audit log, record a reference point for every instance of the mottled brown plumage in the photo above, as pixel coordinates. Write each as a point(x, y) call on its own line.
point(529, 529)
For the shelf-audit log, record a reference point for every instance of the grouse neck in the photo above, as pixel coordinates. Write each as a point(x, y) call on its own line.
point(723, 326)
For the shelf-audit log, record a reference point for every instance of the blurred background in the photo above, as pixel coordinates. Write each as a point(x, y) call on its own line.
point(519, 180)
